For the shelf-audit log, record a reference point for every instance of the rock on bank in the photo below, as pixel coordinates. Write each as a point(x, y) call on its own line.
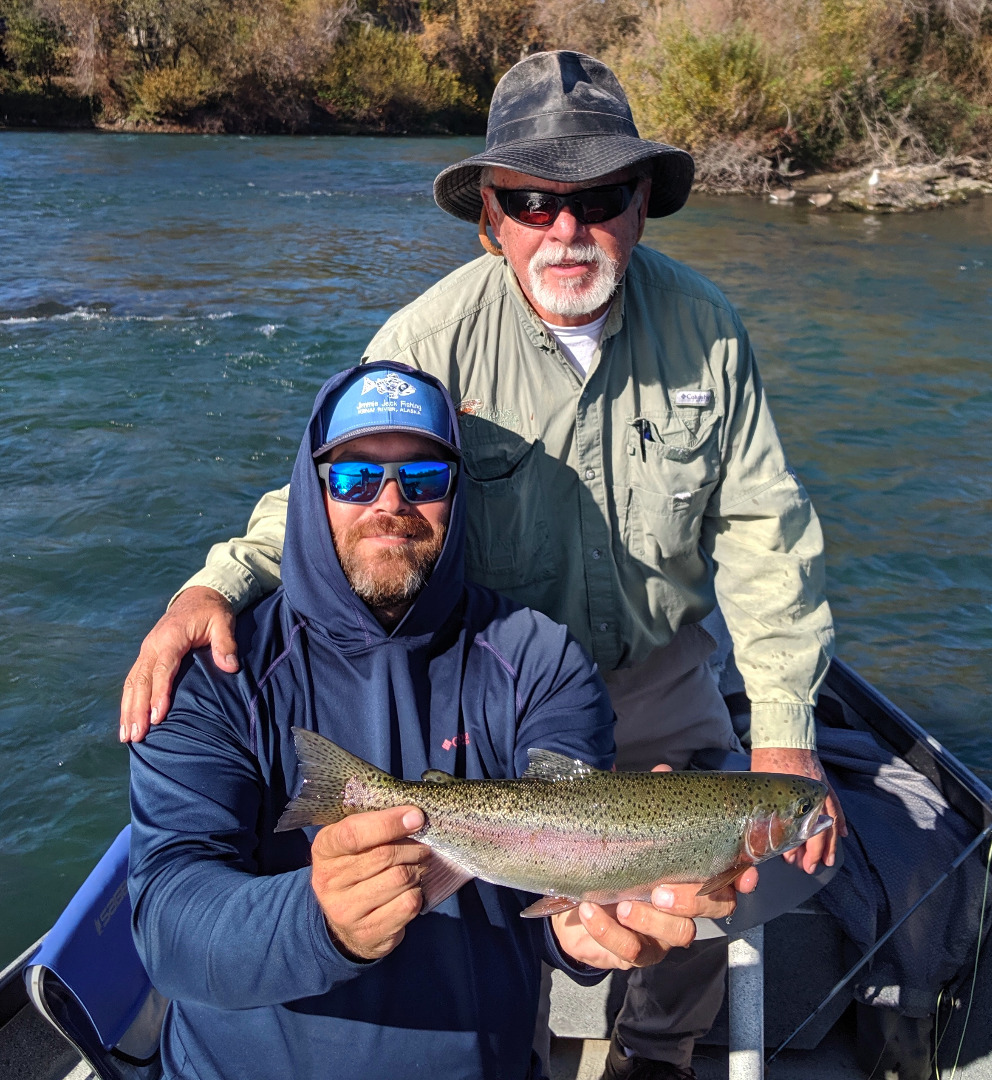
point(900, 189)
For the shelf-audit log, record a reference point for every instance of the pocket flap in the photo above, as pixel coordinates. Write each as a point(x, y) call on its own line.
point(491, 452)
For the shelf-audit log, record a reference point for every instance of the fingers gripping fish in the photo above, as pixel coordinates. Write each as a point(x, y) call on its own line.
point(566, 830)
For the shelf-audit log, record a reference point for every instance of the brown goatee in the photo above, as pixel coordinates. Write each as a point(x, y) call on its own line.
point(390, 577)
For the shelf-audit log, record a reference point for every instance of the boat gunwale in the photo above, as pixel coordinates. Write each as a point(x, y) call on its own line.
point(13, 992)
point(960, 787)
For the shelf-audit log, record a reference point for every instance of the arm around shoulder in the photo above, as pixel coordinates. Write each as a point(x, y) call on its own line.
point(247, 567)
point(200, 616)
point(202, 613)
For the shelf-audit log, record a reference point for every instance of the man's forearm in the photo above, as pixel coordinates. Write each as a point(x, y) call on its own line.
point(247, 567)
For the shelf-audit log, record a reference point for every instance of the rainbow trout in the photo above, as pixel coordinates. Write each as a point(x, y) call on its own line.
point(566, 830)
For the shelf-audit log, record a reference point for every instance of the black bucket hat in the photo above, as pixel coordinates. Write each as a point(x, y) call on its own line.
point(563, 116)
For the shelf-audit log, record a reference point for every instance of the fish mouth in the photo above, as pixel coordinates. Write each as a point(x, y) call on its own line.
point(814, 826)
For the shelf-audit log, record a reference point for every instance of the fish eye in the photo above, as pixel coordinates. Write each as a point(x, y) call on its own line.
point(804, 807)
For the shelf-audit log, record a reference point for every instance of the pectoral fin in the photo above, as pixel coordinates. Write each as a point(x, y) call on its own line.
point(548, 905)
point(721, 880)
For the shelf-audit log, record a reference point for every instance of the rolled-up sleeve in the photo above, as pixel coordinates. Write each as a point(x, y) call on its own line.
point(246, 568)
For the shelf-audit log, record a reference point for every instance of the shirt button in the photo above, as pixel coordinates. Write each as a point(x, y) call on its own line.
point(603, 627)
point(596, 553)
point(590, 473)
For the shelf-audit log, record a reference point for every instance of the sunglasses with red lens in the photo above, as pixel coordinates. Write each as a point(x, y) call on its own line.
point(591, 206)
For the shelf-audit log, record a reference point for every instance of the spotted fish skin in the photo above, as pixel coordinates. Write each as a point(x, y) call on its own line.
point(568, 831)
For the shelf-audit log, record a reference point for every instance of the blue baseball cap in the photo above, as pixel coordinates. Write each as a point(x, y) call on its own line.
point(378, 399)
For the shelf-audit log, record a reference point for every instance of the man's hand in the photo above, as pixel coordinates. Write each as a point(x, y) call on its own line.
point(635, 934)
point(822, 847)
point(366, 876)
point(200, 616)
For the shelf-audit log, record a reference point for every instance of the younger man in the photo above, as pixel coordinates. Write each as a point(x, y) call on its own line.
point(300, 955)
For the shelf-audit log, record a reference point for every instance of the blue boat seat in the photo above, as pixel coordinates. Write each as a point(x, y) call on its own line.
point(87, 979)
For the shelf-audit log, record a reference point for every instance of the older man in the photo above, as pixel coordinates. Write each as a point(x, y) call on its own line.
point(621, 468)
point(288, 955)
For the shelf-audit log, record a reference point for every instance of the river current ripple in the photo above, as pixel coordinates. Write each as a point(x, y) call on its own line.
point(169, 306)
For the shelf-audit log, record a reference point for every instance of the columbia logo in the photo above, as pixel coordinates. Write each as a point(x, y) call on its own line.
point(120, 894)
point(458, 740)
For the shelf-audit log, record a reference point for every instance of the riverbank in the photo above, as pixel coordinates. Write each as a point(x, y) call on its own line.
point(757, 91)
point(898, 189)
point(866, 189)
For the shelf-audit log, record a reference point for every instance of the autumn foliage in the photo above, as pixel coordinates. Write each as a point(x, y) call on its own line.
point(747, 85)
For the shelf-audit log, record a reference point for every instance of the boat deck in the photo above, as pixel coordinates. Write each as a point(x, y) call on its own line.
point(32, 1050)
point(577, 1059)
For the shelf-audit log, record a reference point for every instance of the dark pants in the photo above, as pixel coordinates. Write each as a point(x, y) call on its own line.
point(667, 708)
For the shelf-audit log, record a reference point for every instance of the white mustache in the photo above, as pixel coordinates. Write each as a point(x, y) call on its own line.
point(563, 255)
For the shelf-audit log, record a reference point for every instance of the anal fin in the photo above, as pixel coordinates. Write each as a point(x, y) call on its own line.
point(440, 879)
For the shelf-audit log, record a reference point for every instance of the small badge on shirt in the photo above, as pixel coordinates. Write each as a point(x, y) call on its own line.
point(699, 398)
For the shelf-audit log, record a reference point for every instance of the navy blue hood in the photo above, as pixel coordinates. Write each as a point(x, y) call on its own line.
point(312, 577)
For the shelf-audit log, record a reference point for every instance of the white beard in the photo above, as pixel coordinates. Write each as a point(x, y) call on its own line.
point(578, 296)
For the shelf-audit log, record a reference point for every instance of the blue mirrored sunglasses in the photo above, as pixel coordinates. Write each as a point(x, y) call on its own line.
point(361, 481)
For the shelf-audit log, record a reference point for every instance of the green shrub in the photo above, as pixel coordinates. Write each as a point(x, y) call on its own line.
point(171, 93)
point(940, 114)
point(690, 88)
point(379, 79)
point(33, 44)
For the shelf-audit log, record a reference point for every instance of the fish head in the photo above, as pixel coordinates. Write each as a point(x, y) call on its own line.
point(787, 815)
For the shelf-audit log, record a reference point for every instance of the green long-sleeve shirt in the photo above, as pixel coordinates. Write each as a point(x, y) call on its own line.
point(623, 504)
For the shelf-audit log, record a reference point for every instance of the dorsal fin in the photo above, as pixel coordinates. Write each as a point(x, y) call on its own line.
point(548, 765)
point(438, 776)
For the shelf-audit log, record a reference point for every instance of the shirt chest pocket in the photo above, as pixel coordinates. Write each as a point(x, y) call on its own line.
point(673, 464)
point(507, 541)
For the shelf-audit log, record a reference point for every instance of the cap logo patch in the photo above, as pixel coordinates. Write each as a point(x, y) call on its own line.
point(391, 385)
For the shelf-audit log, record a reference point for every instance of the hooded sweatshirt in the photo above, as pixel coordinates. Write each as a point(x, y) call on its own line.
point(224, 915)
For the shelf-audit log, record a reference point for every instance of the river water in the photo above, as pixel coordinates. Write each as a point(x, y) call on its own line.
point(169, 306)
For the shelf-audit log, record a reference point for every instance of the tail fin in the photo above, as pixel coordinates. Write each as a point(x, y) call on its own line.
point(326, 771)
